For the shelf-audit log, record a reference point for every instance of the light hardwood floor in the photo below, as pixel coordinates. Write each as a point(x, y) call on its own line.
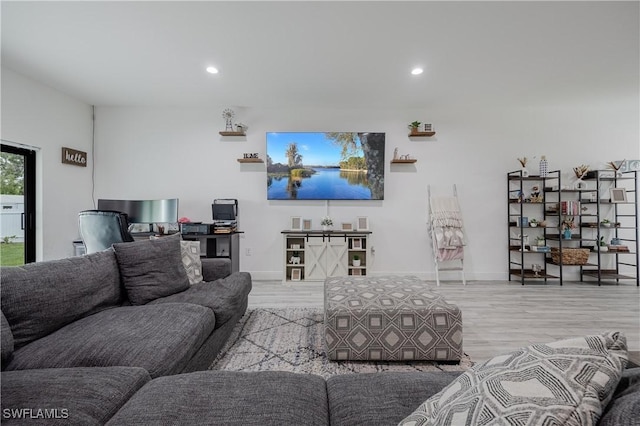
point(502, 316)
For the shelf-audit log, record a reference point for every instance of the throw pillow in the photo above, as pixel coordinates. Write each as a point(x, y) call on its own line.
point(151, 268)
point(568, 382)
point(191, 260)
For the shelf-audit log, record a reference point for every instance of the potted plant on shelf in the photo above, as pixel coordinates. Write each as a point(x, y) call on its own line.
point(356, 260)
point(540, 240)
point(414, 127)
point(606, 223)
point(602, 245)
point(533, 223)
point(326, 223)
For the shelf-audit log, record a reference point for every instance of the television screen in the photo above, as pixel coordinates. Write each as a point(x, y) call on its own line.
point(325, 166)
point(144, 211)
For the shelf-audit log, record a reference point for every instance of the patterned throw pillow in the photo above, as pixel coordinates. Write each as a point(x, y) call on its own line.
point(191, 260)
point(569, 382)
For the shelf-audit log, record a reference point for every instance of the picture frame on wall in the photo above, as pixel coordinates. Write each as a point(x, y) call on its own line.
point(362, 223)
point(296, 274)
point(306, 224)
point(618, 195)
point(296, 223)
point(347, 226)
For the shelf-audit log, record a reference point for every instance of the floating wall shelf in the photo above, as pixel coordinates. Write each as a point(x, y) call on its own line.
point(421, 134)
point(250, 160)
point(413, 160)
point(232, 134)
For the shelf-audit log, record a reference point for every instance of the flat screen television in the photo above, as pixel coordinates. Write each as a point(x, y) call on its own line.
point(144, 211)
point(325, 165)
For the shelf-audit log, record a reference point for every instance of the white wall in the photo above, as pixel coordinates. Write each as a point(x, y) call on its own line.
point(149, 153)
point(39, 116)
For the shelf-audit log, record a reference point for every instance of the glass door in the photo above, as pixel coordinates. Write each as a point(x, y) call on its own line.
point(17, 205)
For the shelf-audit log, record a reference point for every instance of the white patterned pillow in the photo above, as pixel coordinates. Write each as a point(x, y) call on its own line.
point(568, 382)
point(191, 260)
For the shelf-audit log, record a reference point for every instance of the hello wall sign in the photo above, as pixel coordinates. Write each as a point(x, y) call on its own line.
point(74, 157)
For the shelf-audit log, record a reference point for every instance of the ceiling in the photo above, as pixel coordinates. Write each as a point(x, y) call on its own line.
point(325, 54)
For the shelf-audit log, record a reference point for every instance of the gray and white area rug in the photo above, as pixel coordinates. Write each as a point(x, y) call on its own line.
point(290, 339)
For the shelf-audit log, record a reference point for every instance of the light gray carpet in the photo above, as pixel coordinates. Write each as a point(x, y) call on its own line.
point(290, 339)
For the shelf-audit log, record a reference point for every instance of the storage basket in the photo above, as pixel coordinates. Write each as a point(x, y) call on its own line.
point(570, 256)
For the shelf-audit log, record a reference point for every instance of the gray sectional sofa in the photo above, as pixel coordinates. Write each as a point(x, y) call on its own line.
point(119, 317)
point(100, 339)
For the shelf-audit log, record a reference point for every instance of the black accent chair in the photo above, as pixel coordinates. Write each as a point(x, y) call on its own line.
point(99, 229)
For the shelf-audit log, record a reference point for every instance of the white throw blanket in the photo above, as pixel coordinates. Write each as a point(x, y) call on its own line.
point(446, 223)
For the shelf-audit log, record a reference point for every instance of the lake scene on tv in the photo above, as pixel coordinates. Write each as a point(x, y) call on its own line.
point(325, 166)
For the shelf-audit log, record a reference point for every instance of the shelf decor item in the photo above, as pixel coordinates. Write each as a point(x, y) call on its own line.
point(296, 223)
point(544, 166)
point(228, 115)
point(567, 225)
point(326, 223)
point(356, 260)
point(570, 256)
point(618, 195)
point(523, 164)
point(414, 126)
point(615, 166)
point(362, 223)
point(580, 173)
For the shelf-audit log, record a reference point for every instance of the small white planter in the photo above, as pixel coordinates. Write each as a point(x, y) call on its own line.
point(355, 262)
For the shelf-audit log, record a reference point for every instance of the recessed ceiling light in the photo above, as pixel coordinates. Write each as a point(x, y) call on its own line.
point(212, 70)
point(417, 71)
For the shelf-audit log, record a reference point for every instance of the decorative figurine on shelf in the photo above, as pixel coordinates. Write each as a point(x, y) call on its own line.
point(567, 225)
point(536, 196)
point(395, 154)
point(228, 115)
point(523, 163)
point(536, 268)
point(241, 127)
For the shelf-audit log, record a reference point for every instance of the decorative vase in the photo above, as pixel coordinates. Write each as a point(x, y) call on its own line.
point(525, 172)
point(326, 227)
point(544, 167)
point(356, 263)
point(580, 184)
point(566, 234)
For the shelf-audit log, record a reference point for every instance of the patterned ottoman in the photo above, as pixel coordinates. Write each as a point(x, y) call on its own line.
point(390, 318)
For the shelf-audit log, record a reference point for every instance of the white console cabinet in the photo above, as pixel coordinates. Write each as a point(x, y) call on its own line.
point(316, 255)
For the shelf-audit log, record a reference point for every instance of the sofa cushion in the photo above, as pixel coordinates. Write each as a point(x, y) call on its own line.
point(159, 338)
point(224, 296)
point(69, 396)
point(565, 382)
point(624, 408)
point(6, 344)
point(151, 268)
point(229, 398)
point(381, 398)
point(39, 298)
point(191, 260)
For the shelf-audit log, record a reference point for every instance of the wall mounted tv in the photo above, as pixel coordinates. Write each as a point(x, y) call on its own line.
point(325, 166)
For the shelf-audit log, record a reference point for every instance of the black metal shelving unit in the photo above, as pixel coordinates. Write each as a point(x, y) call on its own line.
point(521, 207)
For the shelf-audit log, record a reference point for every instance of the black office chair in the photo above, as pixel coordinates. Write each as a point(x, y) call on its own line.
point(99, 229)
